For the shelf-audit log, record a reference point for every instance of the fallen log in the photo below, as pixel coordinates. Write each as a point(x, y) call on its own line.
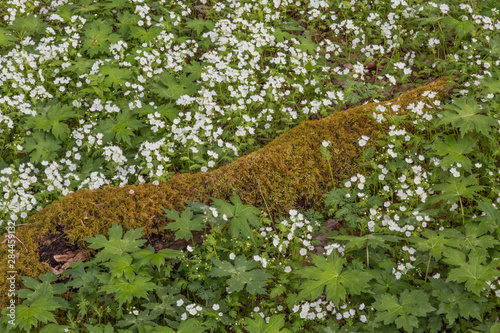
point(287, 173)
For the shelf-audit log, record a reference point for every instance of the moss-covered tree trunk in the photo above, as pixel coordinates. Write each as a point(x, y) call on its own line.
point(289, 172)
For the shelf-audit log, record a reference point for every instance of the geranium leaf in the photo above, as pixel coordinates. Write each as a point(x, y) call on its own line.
point(433, 242)
point(307, 44)
point(199, 25)
point(331, 273)
point(171, 88)
point(145, 36)
point(454, 151)
point(472, 272)
point(114, 75)
point(98, 36)
point(454, 301)
point(27, 25)
point(465, 114)
point(6, 37)
point(402, 310)
point(183, 224)
point(116, 246)
point(462, 28)
point(259, 325)
point(51, 117)
point(122, 128)
point(190, 326)
point(125, 290)
point(148, 256)
point(241, 216)
point(43, 146)
point(38, 311)
point(455, 188)
point(492, 219)
point(242, 274)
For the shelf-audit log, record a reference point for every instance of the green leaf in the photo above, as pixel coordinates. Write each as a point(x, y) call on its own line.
point(27, 25)
point(81, 65)
point(454, 151)
point(371, 240)
point(122, 128)
point(475, 238)
point(166, 300)
point(54, 328)
point(116, 246)
point(462, 28)
point(276, 291)
point(87, 6)
point(44, 289)
point(434, 243)
point(199, 25)
point(466, 115)
point(495, 45)
point(307, 44)
point(456, 188)
point(126, 22)
point(158, 329)
point(385, 281)
point(96, 329)
point(402, 310)
point(38, 312)
point(280, 35)
point(114, 75)
point(242, 274)
point(168, 110)
point(190, 326)
point(149, 257)
point(195, 68)
point(51, 117)
point(6, 37)
point(43, 147)
point(240, 216)
point(429, 20)
point(171, 88)
point(492, 219)
point(145, 36)
point(331, 273)
point(98, 36)
point(121, 266)
point(127, 290)
point(454, 301)
point(491, 84)
point(184, 224)
point(259, 325)
point(472, 272)
point(117, 5)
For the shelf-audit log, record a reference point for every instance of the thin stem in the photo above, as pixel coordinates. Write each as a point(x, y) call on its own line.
point(367, 258)
point(462, 207)
point(214, 246)
point(331, 172)
point(427, 270)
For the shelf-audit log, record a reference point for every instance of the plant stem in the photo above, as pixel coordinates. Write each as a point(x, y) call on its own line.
point(367, 258)
point(462, 207)
point(427, 270)
point(331, 172)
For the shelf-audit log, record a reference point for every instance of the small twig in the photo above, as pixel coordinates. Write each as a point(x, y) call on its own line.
point(6, 237)
point(262, 194)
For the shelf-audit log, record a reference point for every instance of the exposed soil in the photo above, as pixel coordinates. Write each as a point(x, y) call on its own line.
point(53, 245)
point(58, 253)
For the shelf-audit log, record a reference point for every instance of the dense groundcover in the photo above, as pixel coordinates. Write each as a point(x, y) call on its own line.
point(335, 188)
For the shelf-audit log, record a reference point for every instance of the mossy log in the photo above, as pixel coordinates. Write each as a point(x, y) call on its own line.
point(289, 172)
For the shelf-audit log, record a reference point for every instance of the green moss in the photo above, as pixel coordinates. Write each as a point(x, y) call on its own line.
point(290, 172)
